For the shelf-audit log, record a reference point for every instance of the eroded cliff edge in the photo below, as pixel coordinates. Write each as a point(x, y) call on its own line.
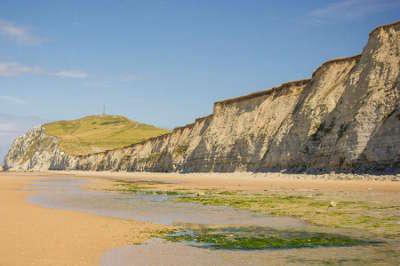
point(347, 116)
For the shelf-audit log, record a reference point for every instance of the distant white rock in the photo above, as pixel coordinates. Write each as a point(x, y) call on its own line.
point(12, 126)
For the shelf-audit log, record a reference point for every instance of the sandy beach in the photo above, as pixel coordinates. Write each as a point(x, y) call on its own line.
point(33, 235)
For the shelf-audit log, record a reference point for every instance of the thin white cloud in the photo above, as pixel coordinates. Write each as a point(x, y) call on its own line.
point(77, 74)
point(11, 99)
point(19, 34)
point(14, 69)
point(351, 9)
point(10, 69)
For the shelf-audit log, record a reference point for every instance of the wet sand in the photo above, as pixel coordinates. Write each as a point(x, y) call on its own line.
point(32, 235)
point(255, 182)
point(70, 194)
point(156, 252)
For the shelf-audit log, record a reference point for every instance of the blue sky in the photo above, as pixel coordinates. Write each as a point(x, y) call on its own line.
point(166, 62)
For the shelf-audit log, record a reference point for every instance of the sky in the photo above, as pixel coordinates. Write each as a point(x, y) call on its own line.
point(166, 62)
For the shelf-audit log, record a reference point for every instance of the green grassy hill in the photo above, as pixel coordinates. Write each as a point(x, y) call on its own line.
point(98, 133)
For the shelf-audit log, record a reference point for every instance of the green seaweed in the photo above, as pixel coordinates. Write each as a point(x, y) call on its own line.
point(318, 210)
point(255, 238)
point(314, 208)
point(138, 187)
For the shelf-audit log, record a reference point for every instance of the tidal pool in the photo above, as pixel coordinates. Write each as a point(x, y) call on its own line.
point(67, 193)
point(161, 252)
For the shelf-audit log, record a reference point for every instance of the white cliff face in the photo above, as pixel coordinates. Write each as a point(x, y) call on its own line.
point(35, 151)
point(346, 116)
point(367, 109)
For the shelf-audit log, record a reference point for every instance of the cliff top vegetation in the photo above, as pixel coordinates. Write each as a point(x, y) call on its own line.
point(99, 133)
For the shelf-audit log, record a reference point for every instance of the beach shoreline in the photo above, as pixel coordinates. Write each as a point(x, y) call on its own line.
point(250, 181)
point(33, 235)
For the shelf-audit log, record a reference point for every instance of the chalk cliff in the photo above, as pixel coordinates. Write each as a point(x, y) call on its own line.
point(347, 116)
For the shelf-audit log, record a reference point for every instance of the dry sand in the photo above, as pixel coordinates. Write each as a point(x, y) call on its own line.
point(32, 235)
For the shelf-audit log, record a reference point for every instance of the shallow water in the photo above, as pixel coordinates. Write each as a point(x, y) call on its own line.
point(160, 252)
point(67, 193)
point(64, 193)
